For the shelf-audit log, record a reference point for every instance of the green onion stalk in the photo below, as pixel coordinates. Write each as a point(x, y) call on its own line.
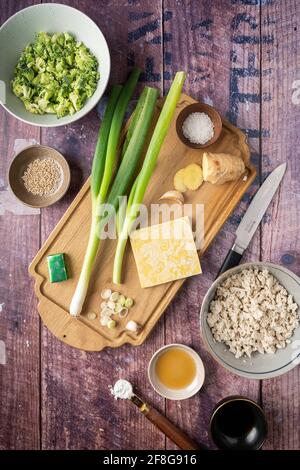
point(102, 171)
point(102, 188)
point(139, 188)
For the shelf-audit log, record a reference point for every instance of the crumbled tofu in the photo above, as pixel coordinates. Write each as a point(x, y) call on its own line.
point(251, 312)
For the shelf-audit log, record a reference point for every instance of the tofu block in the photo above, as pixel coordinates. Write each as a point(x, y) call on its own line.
point(165, 252)
point(57, 268)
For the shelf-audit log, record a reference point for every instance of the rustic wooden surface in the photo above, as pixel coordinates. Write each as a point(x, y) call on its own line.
point(241, 56)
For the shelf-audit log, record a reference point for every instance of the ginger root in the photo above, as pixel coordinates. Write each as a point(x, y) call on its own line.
point(178, 181)
point(193, 176)
point(189, 177)
point(218, 168)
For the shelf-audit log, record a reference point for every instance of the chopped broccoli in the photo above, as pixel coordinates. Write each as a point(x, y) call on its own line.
point(55, 75)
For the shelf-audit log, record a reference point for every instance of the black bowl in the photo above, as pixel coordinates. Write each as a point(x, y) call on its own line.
point(238, 423)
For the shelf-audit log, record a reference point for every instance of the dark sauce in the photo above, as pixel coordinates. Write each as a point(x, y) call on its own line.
point(238, 424)
point(235, 419)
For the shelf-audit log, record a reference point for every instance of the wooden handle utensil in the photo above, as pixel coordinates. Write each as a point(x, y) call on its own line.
point(169, 429)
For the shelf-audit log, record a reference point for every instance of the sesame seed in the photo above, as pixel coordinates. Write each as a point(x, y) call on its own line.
point(42, 177)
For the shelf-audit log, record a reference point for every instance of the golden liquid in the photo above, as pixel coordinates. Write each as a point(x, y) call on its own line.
point(175, 368)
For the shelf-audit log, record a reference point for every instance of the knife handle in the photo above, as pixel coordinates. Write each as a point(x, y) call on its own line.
point(232, 259)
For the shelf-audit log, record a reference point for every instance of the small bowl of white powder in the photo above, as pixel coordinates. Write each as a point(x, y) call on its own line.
point(198, 125)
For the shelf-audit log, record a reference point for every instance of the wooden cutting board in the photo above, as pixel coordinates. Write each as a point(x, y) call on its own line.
point(71, 234)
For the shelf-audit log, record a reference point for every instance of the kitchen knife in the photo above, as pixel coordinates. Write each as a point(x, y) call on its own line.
point(252, 218)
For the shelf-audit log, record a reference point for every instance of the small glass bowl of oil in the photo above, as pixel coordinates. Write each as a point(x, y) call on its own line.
point(176, 372)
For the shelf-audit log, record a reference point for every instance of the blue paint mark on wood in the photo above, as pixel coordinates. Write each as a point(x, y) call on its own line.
point(235, 219)
point(266, 96)
point(268, 20)
point(135, 16)
point(252, 2)
point(198, 69)
point(167, 75)
point(202, 24)
point(149, 75)
point(249, 97)
point(256, 133)
point(167, 15)
point(149, 27)
point(267, 218)
point(201, 78)
point(256, 158)
point(204, 29)
point(205, 36)
point(157, 39)
point(168, 58)
point(250, 71)
point(266, 72)
point(235, 96)
point(202, 73)
point(244, 39)
point(247, 197)
point(167, 37)
point(142, 31)
point(233, 56)
point(287, 259)
point(244, 18)
point(246, 72)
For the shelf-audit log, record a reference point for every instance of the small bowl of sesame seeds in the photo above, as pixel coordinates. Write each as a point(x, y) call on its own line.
point(39, 176)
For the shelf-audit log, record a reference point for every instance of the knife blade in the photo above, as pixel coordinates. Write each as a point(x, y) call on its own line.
point(253, 217)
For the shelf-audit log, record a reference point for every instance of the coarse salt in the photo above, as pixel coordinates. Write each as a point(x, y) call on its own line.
point(198, 128)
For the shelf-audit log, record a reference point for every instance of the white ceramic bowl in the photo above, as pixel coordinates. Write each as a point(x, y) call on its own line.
point(181, 393)
point(20, 29)
point(259, 366)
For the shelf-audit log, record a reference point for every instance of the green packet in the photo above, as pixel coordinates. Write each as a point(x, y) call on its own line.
point(57, 268)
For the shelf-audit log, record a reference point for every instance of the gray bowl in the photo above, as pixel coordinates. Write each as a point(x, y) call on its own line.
point(259, 366)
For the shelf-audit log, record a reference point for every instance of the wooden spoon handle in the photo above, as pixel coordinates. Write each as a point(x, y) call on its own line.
point(170, 430)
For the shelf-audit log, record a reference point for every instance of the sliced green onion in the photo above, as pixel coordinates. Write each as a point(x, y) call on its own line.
point(118, 308)
point(106, 293)
point(121, 300)
point(123, 312)
point(114, 297)
point(128, 302)
point(111, 305)
point(111, 324)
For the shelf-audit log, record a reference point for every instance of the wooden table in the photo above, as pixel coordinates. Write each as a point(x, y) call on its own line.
point(241, 56)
